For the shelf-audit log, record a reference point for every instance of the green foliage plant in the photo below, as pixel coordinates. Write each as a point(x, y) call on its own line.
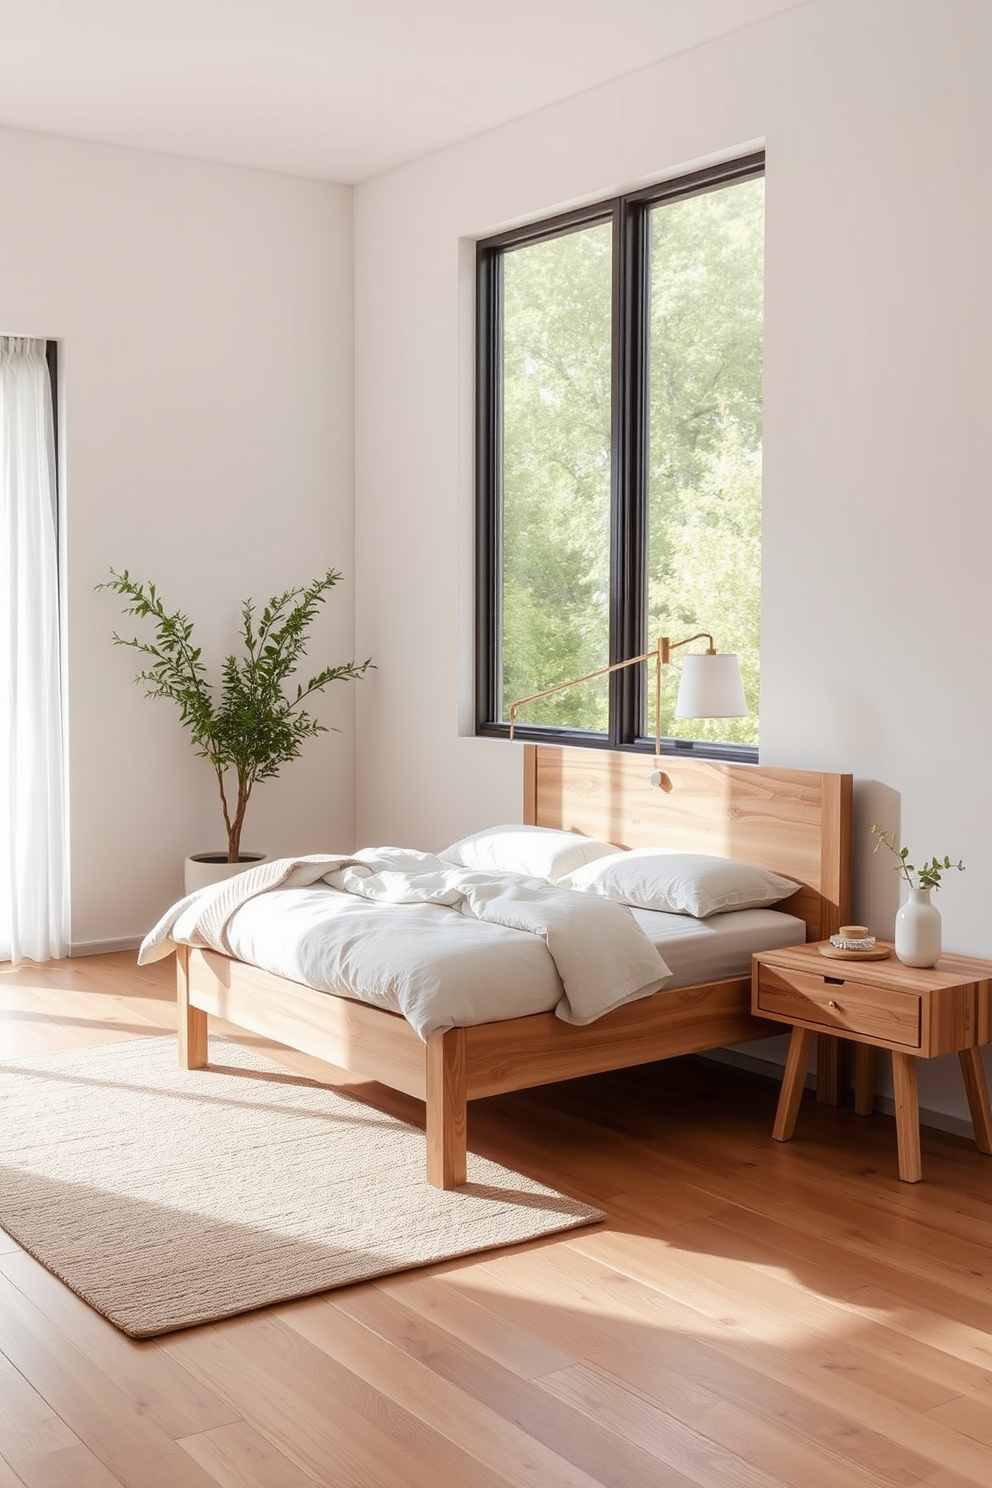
point(927, 876)
point(257, 722)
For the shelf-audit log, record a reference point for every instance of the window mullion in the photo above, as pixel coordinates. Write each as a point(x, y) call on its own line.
point(619, 537)
point(629, 526)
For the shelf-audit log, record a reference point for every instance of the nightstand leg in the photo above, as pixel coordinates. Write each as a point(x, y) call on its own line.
point(796, 1065)
point(864, 1079)
point(978, 1097)
point(907, 1116)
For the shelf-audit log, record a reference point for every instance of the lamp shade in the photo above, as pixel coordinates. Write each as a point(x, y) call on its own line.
point(711, 687)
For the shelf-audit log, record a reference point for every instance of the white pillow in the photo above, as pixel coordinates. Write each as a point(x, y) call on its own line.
point(540, 852)
point(695, 884)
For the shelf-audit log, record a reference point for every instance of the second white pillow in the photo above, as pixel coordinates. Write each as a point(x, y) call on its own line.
point(696, 884)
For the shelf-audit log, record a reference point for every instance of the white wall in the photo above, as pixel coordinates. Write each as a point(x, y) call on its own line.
point(204, 316)
point(875, 115)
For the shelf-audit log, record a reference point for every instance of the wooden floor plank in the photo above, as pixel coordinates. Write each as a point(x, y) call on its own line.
point(86, 1000)
point(325, 1419)
point(37, 1448)
point(450, 1310)
point(691, 1386)
point(785, 1346)
point(145, 1374)
point(948, 1477)
point(879, 1241)
point(805, 1265)
point(772, 1310)
point(592, 1449)
point(8, 1477)
point(589, 1161)
point(661, 1347)
point(958, 1342)
point(96, 1413)
point(238, 1456)
point(785, 1450)
point(71, 1467)
point(477, 1427)
point(26, 1416)
point(677, 1448)
point(970, 1415)
point(655, 1106)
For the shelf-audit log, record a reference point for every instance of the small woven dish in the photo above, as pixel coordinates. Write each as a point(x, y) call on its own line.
point(853, 943)
point(877, 953)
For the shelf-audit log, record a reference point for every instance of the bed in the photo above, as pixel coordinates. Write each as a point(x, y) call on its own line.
point(794, 822)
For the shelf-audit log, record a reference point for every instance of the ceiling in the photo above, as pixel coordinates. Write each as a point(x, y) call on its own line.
point(337, 89)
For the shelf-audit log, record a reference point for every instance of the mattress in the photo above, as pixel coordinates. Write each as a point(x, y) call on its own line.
point(721, 946)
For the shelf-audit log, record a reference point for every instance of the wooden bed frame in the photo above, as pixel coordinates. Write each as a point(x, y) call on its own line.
point(796, 822)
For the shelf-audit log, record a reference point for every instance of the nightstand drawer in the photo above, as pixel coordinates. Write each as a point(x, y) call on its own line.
point(830, 1003)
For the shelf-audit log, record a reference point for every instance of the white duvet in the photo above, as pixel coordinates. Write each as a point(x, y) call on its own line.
point(446, 947)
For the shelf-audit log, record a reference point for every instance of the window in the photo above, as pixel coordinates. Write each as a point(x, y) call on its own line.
point(619, 456)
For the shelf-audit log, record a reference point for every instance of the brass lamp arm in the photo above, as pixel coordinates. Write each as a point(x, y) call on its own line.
point(660, 654)
point(666, 647)
point(574, 682)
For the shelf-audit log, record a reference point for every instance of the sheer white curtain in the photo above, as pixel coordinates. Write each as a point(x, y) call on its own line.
point(33, 897)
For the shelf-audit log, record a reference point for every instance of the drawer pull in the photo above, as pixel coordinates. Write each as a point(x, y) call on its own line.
point(834, 981)
point(831, 1003)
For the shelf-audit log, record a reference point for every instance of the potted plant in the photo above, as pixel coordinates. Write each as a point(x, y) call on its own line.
point(252, 722)
point(917, 927)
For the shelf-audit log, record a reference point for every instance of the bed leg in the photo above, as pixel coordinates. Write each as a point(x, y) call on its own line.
point(191, 1022)
point(446, 1109)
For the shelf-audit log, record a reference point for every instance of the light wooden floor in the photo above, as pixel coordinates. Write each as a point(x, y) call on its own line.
point(750, 1314)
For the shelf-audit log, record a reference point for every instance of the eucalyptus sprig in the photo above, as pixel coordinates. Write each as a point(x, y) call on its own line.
point(927, 875)
point(254, 722)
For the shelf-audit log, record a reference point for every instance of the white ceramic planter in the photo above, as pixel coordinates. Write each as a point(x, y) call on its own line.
point(211, 867)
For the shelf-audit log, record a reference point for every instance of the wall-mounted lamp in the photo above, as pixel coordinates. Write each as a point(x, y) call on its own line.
point(710, 686)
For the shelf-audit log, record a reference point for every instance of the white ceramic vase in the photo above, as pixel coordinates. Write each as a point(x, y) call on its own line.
point(917, 937)
point(209, 868)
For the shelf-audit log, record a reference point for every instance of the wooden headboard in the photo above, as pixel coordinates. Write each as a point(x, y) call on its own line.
point(796, 822)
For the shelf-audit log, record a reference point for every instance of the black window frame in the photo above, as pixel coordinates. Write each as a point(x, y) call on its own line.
point(628, 473)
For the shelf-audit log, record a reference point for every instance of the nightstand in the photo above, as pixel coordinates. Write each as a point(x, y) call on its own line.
point(917, 1014)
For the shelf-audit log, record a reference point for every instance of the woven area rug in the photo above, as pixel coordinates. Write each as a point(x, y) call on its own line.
point(167, 1197)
